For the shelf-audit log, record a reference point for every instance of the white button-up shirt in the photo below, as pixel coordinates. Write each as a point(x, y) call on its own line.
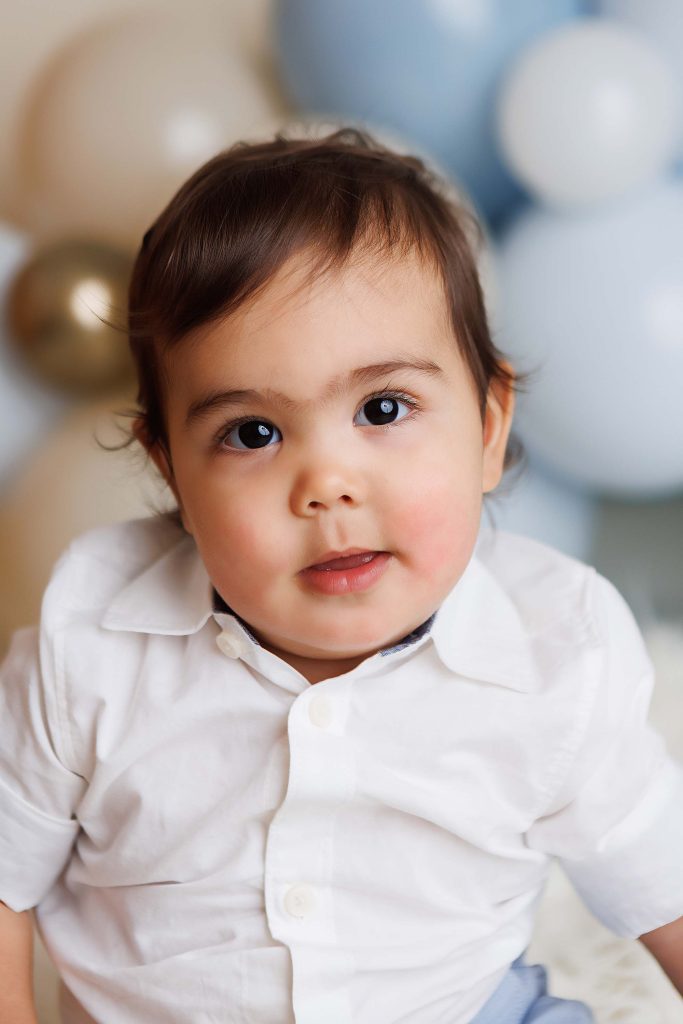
point(208, 837)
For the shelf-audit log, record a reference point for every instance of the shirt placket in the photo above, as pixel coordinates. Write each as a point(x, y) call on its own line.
point(299, 890)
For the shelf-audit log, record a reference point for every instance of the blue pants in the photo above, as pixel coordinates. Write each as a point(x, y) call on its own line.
point(522, 998)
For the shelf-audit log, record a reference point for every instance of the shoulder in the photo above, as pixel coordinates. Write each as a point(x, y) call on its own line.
point(553, 593)
point(83, 667)
point(573, 617)
point(99, 563)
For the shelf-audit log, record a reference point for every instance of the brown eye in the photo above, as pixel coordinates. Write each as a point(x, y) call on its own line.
point(251, 434)
point(383, 409)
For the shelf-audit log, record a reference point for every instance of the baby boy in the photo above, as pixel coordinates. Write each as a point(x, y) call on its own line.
point(305, 749)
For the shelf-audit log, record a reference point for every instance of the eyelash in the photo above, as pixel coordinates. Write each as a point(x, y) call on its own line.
point(400, 396)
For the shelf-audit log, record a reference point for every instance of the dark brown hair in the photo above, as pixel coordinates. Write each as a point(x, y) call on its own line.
point(242, 215)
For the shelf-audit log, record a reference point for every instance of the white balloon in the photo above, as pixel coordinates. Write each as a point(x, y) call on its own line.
point(539, 504)
point(588, 113)
point(662, 22)
point(27, 411)
point(595, 305)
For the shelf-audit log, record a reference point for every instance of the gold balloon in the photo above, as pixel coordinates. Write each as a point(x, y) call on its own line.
point(60, 309)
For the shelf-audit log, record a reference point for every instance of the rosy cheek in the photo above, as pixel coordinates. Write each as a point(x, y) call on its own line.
point(438, 532)
point(249, 541)
point(251, 546)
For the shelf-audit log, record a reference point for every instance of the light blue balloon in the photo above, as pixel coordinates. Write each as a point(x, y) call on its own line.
point(428, 69)
point(594, 304)
point(542, 505)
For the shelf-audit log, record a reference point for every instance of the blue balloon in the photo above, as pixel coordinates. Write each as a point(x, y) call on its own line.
point(427, 69)
point(591, 304)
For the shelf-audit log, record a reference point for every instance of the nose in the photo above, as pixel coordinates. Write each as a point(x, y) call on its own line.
point(327, 485)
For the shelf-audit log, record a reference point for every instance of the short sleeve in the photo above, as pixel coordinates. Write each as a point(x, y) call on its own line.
point(38, 793)
point(616, 822)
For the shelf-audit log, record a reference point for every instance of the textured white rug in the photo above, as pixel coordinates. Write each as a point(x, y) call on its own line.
point(618, 979)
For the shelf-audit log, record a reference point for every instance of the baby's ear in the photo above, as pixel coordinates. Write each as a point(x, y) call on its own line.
point(160, 456)
point(141, 433)
point(155, 449)
point(499, 412)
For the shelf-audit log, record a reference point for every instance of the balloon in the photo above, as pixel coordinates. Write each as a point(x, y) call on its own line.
point(541, 505)
point(123, 116)
point(588, 113)
point(661, 21)
point(27, 411)
point(428, 70)
point(594, 304)
point(56, 308)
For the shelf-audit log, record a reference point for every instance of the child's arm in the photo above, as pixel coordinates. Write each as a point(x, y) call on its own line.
point(38, 796)
point(615, 820)
point(666, 946)
point(16, 967)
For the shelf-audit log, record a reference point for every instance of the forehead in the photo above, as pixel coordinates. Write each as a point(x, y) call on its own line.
point(309, 328)
point(370, 284)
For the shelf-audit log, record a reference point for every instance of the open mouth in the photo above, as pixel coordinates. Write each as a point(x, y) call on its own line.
point(346, 561)
point(348, 573)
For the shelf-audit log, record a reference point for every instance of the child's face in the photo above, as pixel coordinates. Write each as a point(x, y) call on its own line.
point(337, 470)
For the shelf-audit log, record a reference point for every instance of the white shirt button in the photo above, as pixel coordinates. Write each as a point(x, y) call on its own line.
point(231, 646)
point(300, 901)
point(320, 711)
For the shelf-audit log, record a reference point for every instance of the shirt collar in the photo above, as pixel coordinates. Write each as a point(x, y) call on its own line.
point(477, 631)
point(173, 596)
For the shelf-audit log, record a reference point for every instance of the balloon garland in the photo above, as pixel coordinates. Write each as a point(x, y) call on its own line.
point(561, 119)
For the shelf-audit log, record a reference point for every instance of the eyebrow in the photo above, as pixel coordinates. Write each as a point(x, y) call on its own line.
point(336, 387)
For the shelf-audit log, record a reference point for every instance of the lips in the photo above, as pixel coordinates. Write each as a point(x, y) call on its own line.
point(348, 561)
point(348, 572)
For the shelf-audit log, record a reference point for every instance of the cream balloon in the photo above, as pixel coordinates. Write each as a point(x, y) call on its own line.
point(124, 115)
point(69, 486)
point(588, 113)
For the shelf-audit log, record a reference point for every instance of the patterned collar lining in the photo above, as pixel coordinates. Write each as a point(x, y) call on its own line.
point(219, 605)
